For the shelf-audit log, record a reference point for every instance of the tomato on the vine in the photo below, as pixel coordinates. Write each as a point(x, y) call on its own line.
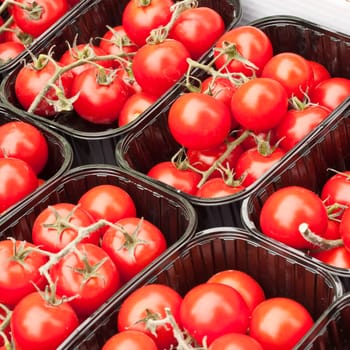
point(9, 50)
point(337, 257)
point(130, 339)
point(320, 72)
point(235, 341)
point(218, 187)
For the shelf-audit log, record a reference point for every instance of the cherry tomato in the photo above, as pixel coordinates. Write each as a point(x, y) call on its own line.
point(24, 141)
point(139, 18)
point(19, 270)
point(15, 174)
point(51, 234)
point(292, 70)
point(279, 323)
point(35, 17)
point(250, 290)
point(199, 121)
point(198, 28)
point(16, 34)
point(217, 187)
point(101, 95)
point(130, 340)
point(89, 274)
point(320, 72)
point(145, 302)
point(286, 209)
point(235, 341)
point(344, 228)
point(157, 67)
point(9, 50)
point(37, 324)
point(133, 243)
point(337, 257)
point(251, 43)
point(108, 202)
point(259, 104)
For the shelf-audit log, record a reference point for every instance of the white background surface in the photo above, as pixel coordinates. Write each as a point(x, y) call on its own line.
point(334, 14)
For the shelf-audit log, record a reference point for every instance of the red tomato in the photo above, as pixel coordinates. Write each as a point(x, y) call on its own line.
point(36, 324)
point(251, 43)
point(157, 67)
point(84, 51)
point(139, 18)
point(16, 34)
point(320, 72)
point(286, 209)
point(279, 323)
point(252, 164)
point(185, 180)
point(9, 50)
point(51, 234)
point(108, 202)
point(235, 341)
point(24, 141)
point(330, 92)
point(135, 105)
point(292, 71)
point(259, 104)
point(198, 28)
point(102, 95)
point(204, 159)
point(15, 174)
point(199, 121)
point(19, 271)
point(344, 228)
point(133, 243)
point(87, 273)
point(35, 17)
point(210, 310)
point(130, 340)
point(244, 284)
point(332, 230)
point(296, 124)
point(32, 79)
point(217, 187)
point(337, 257)
point(145, 302)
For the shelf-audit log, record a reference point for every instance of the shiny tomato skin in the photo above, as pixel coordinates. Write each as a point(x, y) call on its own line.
point(235, 341)
point(279, 323)
point(251, 43)
point(337, 257)
point(320, 72)
point(53, 239)
point(91, 291)
point(24, 141)
point(152, 298)
point(217, 188)
point(330, 92)
point(296, 124)
point(138, 19)
point(185, 180)
point(130, 340)
point(35, 324)
point(19, 277)
point(198, 28)
point(99, 102)
point(132, 258)
point(249, 288)
point(15, 173)
point(213, 309)
point(199, 121)
point(51, 12)
point(157, 67)
point(259, 104)
point(292, 71)
point(10, 50)
point(286, 209)
point(251, 164)
point(109, 202)
point(344, 228)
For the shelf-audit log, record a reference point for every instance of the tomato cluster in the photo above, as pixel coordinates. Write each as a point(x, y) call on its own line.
point(229, 310)
point(317, 223)
point(22, 21)
point(80, 254)
point(252, 109)
point(114, 78)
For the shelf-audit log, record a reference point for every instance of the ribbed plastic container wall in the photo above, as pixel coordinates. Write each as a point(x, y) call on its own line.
point(94, 143)
point(151, 142)
point(279, 272)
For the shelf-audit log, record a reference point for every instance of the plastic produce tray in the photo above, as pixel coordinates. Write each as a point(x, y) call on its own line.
point(151, 141)
point(94, 143)
point(60, 157)
point(279, 272)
